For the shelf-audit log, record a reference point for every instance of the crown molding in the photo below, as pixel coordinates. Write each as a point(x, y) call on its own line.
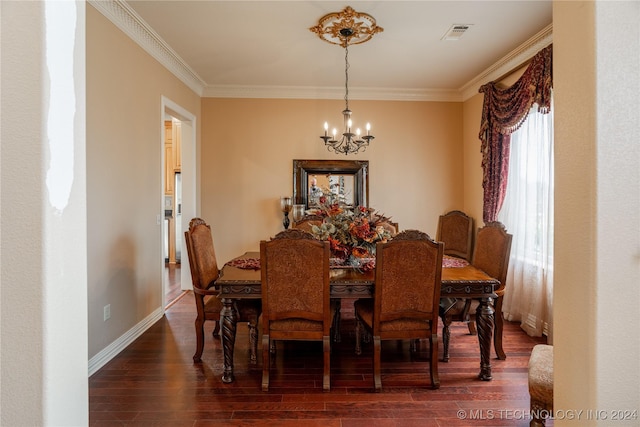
point(355, 93)
point(509, 62)
point(127, 20)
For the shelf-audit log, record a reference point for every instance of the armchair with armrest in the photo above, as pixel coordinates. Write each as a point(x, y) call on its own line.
point(204, 273)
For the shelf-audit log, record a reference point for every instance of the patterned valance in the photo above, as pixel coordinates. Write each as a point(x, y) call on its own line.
point(503, 111)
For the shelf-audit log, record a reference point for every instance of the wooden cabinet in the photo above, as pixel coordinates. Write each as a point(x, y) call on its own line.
point(169, 161)
point(176, 135)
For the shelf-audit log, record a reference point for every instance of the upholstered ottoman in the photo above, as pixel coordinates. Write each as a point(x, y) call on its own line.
point(541, 383)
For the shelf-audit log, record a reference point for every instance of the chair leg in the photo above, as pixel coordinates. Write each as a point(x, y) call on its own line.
point(216, 329)
point(433, 362)
point(336, 321)
point(265, 362)
point(498, 327)
point(472, 327)
point(467, 317)
point(366, 336)
point(377, 382)
point(358, 336)
point(326, 377)
point(446, 336)
point(537, 411)
point(199, 340)
point(253, 342)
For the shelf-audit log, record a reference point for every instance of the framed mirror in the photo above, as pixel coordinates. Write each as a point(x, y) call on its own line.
point(346, 179)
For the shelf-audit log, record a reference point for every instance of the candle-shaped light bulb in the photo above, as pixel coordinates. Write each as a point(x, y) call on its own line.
point(326, 127)
point(335, 132)
point(368, 129)
point(349, 125)
point(358, 132)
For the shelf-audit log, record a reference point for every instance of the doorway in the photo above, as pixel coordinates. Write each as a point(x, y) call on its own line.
point(172, 208)
point(178, 197)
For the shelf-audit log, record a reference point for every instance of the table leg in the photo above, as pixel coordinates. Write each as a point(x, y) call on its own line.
point(229, 323)
point(484, 320)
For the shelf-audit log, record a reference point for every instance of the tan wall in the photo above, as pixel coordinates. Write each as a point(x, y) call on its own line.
point(597, 210)
point(248, 147)
point(575, 282)
point(472, 112)
point(124, 178)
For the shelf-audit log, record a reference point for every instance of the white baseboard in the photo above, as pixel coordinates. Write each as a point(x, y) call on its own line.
point(112, 350)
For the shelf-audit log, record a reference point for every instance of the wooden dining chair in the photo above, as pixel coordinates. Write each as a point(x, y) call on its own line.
point(455, 230)
point(406, 297)
point(204, 273)
point(295, 295)
point(491, 255)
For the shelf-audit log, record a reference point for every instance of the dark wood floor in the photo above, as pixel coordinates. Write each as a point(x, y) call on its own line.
point(154, 382)
point(172, 282)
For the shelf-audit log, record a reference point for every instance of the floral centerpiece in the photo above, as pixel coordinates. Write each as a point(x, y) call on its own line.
point(352, 233)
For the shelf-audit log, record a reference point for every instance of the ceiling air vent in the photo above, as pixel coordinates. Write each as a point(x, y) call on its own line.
point(456, 31)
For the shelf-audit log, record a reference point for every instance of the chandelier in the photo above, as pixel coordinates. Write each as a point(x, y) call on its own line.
point(345, 28)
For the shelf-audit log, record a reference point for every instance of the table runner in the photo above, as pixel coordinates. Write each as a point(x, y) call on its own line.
point(254, 263)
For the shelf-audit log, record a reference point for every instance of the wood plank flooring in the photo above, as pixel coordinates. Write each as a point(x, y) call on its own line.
point(172, 282)
point(154, 382)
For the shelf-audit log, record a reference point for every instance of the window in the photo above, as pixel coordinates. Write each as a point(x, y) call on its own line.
point(527, 212)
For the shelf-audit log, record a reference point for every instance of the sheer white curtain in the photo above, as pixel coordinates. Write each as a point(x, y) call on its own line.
point(527, 213)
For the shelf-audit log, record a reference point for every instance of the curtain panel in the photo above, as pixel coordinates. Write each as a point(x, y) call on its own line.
point(503, 112)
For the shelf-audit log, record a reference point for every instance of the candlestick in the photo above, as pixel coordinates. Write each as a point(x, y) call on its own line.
point(285, 205)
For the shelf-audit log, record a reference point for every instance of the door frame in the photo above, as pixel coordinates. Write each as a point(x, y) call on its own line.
point(189, 182)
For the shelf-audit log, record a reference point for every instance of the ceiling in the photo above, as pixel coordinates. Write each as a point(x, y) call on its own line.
point(267, 45)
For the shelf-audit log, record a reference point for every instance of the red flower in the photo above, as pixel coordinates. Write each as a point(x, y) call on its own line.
point(338, 249)
point(360, 252)
point(334, 210)
point(369, 265)
point(361, 229)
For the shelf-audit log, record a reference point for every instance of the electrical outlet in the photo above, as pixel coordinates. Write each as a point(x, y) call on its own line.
point(107, 312)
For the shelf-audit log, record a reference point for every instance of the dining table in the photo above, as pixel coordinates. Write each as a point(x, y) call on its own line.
point(240, 290)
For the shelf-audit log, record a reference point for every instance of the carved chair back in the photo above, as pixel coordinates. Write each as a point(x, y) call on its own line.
point(492, 251)
point(295, 294)
point(455, 229)
point(408, 280)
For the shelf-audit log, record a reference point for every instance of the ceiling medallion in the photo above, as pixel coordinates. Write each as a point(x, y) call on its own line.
point(360, 26)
